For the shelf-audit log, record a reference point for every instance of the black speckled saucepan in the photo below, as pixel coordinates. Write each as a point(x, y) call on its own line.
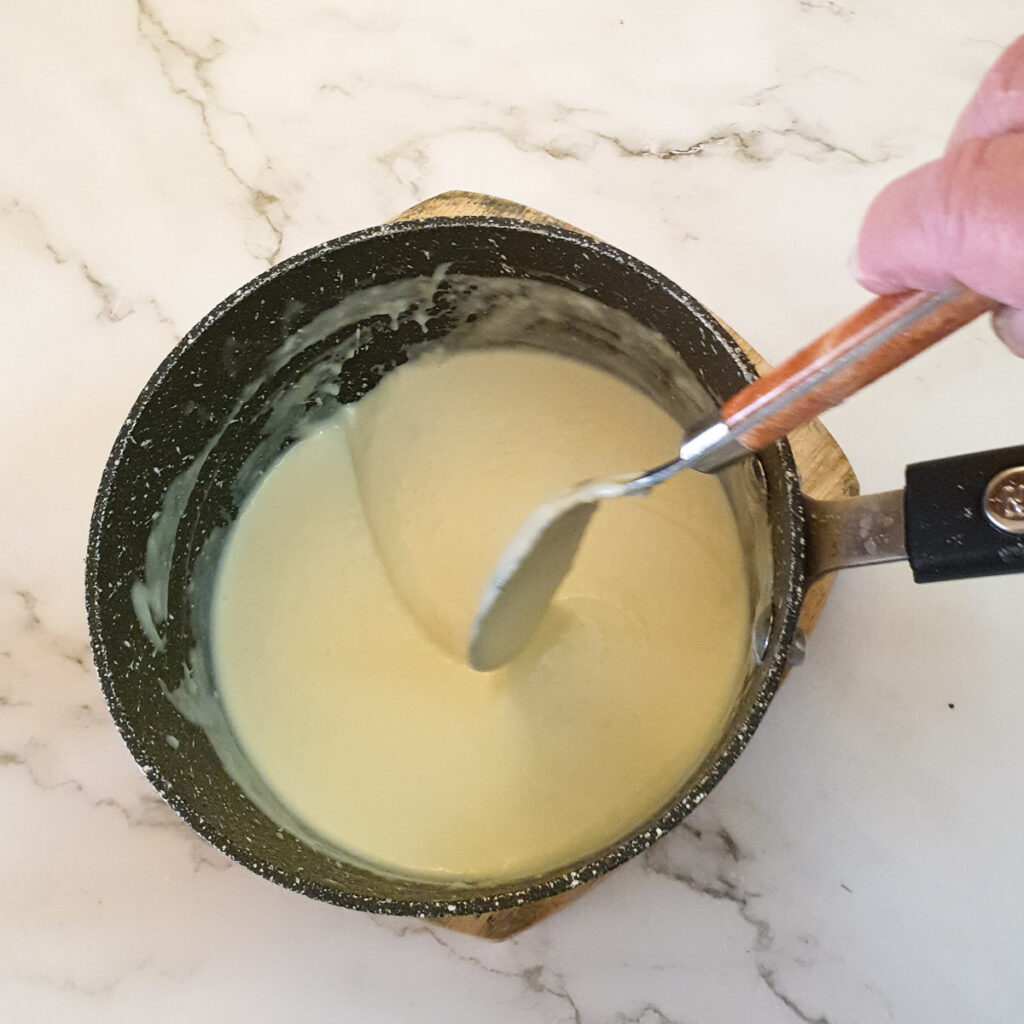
point(209, 420)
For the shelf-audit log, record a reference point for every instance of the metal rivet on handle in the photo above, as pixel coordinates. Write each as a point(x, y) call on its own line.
point(762, 632)
point(1004, 500)
point(798, 651)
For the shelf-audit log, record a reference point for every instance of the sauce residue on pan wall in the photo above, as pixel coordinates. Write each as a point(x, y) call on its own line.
point(542, 734)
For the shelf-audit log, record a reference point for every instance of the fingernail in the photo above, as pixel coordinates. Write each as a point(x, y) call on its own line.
point(1009, 327)
point(864, 279)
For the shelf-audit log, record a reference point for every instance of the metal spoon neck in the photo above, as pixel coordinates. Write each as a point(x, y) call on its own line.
point(707, 447)
point(710, 445)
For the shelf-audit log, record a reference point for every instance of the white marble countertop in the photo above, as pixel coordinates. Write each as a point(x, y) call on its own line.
point(863, 860)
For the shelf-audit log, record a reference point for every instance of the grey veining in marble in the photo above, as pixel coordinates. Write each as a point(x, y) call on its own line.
point(861, 863)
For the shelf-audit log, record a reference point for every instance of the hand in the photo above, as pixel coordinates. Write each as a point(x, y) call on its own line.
point(960, 219)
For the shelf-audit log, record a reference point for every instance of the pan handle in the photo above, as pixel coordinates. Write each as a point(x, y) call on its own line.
point(956, 518)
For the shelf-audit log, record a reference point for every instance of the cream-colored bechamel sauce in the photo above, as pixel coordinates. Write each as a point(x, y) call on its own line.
point(347, 591)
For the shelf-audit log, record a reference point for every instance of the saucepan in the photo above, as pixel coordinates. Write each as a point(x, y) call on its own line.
point(323, 328)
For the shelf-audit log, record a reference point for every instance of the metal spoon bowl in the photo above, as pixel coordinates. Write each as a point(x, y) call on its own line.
point(876, 339)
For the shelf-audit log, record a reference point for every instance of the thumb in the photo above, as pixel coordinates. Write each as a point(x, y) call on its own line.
point(958, 219)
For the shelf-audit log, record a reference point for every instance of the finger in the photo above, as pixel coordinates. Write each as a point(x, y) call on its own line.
point(956, 220)
point(997, 108)
point(1009, 325)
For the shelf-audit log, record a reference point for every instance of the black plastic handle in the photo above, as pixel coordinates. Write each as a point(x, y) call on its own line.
point(949, 535)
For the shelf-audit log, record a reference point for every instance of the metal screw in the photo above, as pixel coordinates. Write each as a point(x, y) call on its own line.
point(1004, 500)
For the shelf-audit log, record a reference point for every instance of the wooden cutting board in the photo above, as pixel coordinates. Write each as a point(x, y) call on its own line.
point(824, 473)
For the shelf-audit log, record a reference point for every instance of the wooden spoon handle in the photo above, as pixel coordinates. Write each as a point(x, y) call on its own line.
point(876, 339)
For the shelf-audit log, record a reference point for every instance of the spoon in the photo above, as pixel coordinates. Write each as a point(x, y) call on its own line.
point(876, 339)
